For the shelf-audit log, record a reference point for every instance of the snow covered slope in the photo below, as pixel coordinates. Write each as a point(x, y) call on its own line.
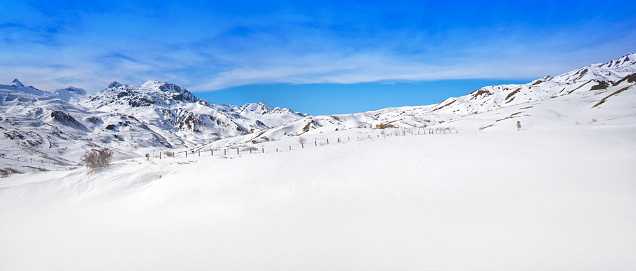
point(559, 199)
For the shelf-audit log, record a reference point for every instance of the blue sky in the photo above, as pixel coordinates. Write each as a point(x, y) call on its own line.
point(422, 51)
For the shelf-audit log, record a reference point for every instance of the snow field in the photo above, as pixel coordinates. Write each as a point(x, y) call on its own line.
point(472, 201)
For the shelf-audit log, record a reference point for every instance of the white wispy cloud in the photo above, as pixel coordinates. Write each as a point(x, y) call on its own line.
point(91, 49)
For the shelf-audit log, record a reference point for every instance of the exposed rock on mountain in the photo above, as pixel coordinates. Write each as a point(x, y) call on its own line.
point(53, 127)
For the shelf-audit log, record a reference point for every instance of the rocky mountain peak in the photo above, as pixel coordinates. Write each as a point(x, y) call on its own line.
point(114, 85)
point(627, 60)
point(17, 83)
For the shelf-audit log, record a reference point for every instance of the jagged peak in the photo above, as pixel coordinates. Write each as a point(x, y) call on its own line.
point(152, 92)
point(76, 90)
point(155, 85)
point(627, 60)
point(258, 105)
point(114, 85)
point(17, 83)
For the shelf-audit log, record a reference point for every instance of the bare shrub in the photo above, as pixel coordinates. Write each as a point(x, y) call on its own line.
point(302, 140)
point(384, 126)
point(97, 159)
point(6, 172)
point(169, 153)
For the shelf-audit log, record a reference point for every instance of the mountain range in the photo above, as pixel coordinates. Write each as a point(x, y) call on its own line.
point(52, 129)
point(56, 127)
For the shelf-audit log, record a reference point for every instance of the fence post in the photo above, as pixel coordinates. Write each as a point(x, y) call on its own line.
point(224, 151)
point(159, 155)
point(250, 150)
point(237, 150)
point(263, 149)
point(315, 143)
point(348, 139)
point(186, 154)
point(199, 153)
point(211, 152)
point(327, 141)
point(290, 148)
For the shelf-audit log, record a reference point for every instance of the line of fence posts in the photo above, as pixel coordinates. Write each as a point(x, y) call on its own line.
point(383, 133)
point(302, 142)
point(446, 130)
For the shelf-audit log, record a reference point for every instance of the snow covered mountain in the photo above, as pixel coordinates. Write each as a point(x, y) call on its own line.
point(43, 127)
point(171, 107)
point(16, 94)
point(595, 84)
point(55, 127)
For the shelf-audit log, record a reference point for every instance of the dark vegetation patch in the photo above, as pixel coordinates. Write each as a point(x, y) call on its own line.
point(384, 126)
point(6, 172)
point(509, 117)
point(601, 85)
point(444, 105)
point(580, 86)
point(614, 93)
point(630, 79)
point(511, 94)
point(487, 126)
point(480, 92)
point(306, 128)
point(582, 73)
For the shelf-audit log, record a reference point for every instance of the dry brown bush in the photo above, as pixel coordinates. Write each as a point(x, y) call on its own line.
point(97, 159)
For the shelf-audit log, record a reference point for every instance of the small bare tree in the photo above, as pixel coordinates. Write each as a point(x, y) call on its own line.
point(97, 159)
point(302, 141)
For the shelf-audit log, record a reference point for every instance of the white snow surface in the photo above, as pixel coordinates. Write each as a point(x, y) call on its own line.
point(529, 200)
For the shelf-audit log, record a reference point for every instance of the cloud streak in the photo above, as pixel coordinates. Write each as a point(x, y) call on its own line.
point(215, 46)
